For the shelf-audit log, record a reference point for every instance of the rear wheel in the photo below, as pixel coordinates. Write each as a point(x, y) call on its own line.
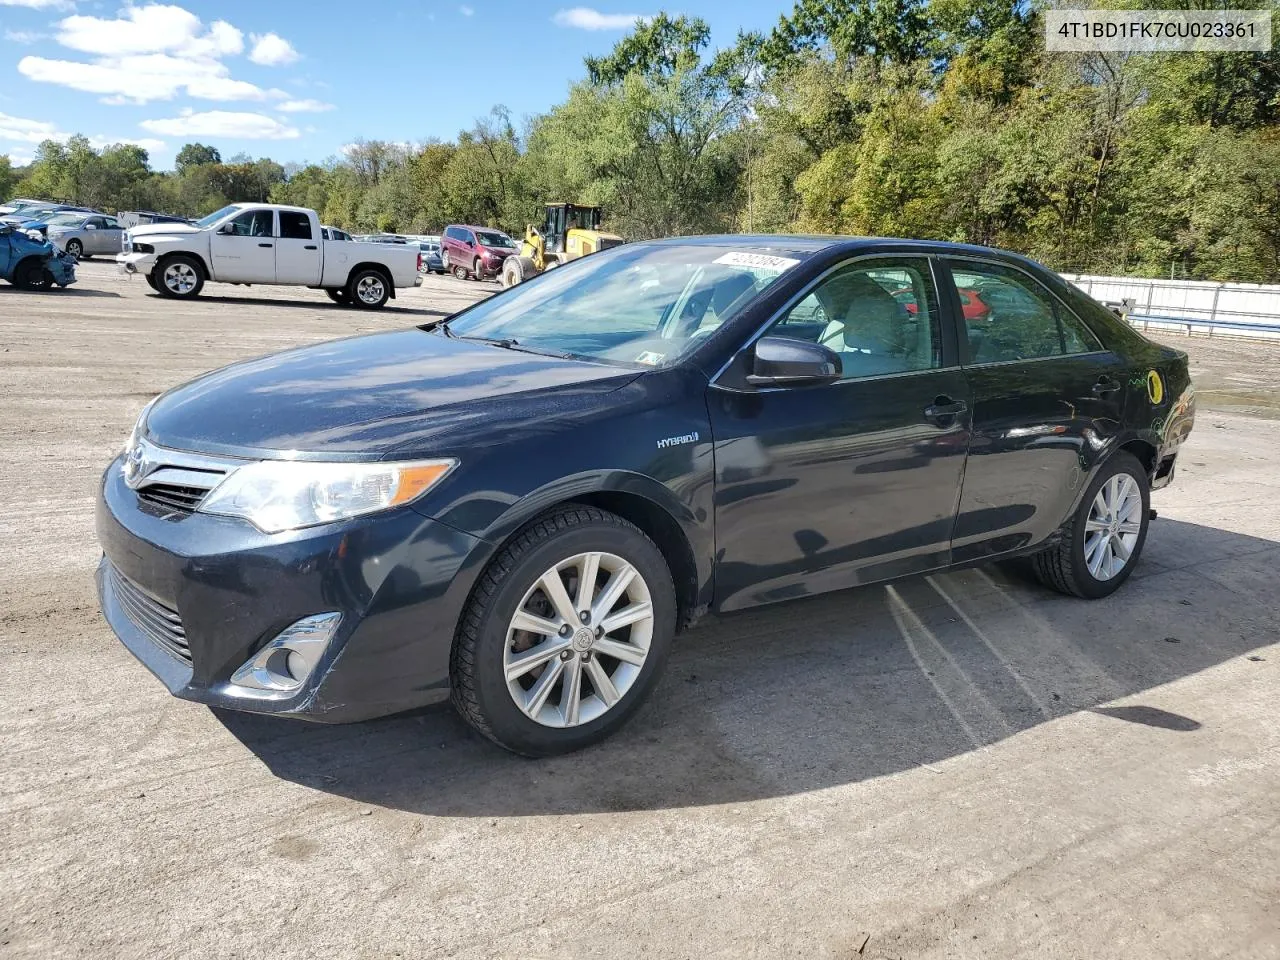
point(181, 276)
point(369, 289)
point(567, 631)
point(1101, 543)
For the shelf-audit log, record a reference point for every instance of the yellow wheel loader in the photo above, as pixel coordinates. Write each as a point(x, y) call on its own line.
point(568, 231)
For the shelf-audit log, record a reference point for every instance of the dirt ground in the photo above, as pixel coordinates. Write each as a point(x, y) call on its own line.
point(963, 766)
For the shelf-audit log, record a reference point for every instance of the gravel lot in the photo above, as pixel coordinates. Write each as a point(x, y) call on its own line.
point(962, 766)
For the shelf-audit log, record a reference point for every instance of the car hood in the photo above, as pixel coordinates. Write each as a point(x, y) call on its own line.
point(156, 229)
point(402, 394)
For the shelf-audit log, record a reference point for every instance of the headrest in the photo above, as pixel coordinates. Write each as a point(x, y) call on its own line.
point(729, 290)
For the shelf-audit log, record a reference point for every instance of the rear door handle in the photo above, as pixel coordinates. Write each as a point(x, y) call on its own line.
point(309, 246)
point(944, 408)
point(1106, 385)
point(264, 244)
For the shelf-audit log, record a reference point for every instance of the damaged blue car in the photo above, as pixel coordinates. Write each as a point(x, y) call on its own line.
point(33, 263)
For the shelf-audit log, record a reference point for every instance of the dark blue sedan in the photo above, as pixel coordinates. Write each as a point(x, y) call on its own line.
point(519, 507)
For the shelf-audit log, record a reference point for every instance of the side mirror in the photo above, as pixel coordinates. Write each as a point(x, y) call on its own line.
point(781, 362)
point(227, 228)
point(91, 226)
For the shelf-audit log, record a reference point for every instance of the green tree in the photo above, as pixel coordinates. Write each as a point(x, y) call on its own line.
point(195, 155)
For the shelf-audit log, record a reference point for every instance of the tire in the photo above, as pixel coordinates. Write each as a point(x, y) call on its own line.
point(476, 269)
point(339, 296)
point(152, 282)
point(487, 645)
point(75, 248)
point(181, 277)
point(32, 275)
point(511, 273)
point(460, 272)
point(1075, 566)
point(368, 289)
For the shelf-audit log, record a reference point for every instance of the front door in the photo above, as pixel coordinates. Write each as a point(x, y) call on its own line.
point(246, 252)
point(297, 251)
point(824, 487)
point(1046, 395)
point(108, 235)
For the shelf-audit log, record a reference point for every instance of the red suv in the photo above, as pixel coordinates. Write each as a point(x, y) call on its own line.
point(478, 251)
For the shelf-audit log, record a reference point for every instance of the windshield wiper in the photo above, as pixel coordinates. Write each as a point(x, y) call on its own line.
point(511, 343)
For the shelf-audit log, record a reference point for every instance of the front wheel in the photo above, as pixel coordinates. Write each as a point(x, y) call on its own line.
point(33, 275)
point(369, 289)
point(1102, 541)
point(181, 276)
point(566, 633)
point(75, 249)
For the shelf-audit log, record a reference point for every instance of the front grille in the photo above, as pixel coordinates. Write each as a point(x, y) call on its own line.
point(159, 622)
point(174, 496)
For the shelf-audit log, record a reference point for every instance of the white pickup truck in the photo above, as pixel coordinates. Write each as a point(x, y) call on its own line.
point(266, 243)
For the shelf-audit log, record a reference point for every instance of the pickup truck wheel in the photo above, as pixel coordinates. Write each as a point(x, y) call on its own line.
point(368, 289)
point(181, 276)
point(152, 282)
point(338, 296)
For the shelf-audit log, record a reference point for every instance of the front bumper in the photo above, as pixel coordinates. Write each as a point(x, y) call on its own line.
point(135, 263)
point(399, 580)
point(63, 268)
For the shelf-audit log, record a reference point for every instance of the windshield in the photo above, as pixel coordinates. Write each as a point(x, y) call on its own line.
point(639, 305)
point(66, 219)
point(488, 239)
point(217, 215)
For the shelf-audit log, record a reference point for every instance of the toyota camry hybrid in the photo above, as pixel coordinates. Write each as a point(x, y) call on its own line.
point(521, 505)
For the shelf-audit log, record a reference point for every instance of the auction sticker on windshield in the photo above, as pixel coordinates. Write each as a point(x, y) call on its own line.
point(762, 261)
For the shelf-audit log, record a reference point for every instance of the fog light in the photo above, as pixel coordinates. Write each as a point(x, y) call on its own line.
point(285, 663)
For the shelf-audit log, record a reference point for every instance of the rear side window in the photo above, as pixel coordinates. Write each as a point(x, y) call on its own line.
point(294, 225)
point(1008, 316)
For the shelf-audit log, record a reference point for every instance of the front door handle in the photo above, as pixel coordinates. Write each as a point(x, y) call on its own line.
point(944, 409)
point(1106, 385)
point(264, 244)
point(309, 246)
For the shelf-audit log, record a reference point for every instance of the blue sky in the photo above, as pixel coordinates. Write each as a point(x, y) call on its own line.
point(296, 80)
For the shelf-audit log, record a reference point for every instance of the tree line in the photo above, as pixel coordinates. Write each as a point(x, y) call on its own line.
point(937, 119)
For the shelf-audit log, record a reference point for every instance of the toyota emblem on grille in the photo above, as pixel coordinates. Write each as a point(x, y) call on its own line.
point(136, 465)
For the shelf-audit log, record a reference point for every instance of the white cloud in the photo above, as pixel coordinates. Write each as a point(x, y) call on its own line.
point(585, 18)
point(466, 11)
point(304, 106)
point(98, 141)
point(271, 50)
point(143, 78)
point(222, 123)
point(39, 4)
point(158, 28)
point(24, 36)
point(19, 156)
point(28, 131)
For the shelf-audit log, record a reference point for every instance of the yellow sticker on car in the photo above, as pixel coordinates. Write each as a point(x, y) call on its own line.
point(1155, 387)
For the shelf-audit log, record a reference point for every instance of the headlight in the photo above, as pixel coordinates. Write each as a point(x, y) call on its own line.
point(139, 427)
point(277, 495)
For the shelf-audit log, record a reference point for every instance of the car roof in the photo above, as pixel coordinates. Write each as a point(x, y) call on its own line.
point(808, 245)
point(470, 226)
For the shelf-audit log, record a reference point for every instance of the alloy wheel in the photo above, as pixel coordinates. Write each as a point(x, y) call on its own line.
point(179, 278)
point(370, 290)
point(578, 639)
point(1112, 529)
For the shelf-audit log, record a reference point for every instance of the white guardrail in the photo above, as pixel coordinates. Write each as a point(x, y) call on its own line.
point(1190, 306)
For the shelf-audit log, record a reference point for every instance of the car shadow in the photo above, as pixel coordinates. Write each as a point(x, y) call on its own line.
point(61, 291)
point(392, 305)
point(839, 688)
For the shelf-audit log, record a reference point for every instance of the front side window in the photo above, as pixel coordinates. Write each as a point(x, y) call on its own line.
point(880, 316)
point(111, 223)
point(642, 305)
point(252, 223)
point(294, 225)
point(1009, 316)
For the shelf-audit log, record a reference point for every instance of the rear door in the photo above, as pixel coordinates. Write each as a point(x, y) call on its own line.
point(109, 235)
point(824, 487)
point(297, 249)
point(1045, 393)
point(246, 252)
